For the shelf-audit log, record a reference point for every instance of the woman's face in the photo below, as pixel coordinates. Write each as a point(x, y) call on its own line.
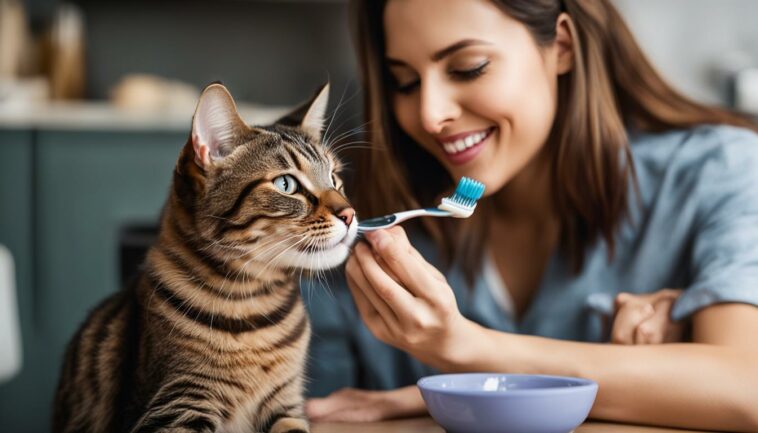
point(471, 85)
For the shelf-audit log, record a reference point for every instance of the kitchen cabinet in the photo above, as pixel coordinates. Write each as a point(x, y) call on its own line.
point(65, 196)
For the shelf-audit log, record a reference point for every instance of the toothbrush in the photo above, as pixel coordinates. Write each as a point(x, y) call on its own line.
point(459, 205)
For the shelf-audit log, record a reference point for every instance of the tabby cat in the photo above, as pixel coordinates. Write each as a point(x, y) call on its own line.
point(213, 334)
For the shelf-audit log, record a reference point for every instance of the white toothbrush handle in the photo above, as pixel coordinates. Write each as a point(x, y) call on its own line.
point(395, 218)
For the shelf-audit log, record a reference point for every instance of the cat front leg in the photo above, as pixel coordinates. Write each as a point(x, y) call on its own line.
point(287, 419)
point(284, 409)
point(179, 417)
point(176, 430)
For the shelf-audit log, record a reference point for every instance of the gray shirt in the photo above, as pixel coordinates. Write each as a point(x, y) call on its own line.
point(696, 228)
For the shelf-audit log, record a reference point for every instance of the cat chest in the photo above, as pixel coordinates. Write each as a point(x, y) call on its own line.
point(248, 415)
point(276, 370)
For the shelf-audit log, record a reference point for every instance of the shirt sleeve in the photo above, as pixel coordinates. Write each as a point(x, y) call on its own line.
point(724, 258)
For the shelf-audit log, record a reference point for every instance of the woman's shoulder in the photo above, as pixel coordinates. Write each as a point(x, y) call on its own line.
point(697, 171)
point(707, 149)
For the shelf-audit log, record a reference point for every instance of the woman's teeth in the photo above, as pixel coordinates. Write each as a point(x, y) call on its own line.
point(464, 143)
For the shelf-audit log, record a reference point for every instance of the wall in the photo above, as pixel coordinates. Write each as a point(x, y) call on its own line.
point(691, 40)
point(264, 51)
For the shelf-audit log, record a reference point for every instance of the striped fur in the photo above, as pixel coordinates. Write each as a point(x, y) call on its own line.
point(212, 335)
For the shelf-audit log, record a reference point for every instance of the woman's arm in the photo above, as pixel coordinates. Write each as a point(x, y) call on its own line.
point(632, 324)
point(707, 384)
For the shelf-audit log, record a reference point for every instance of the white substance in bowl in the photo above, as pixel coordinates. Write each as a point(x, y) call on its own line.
point(490, 384)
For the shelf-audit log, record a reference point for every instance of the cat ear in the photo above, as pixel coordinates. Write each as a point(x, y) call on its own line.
point(216, 125)
point(310, 116)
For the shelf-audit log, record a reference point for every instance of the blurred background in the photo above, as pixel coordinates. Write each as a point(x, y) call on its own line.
point(96, 98)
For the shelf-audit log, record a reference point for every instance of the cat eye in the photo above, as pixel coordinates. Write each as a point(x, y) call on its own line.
point(286, 184)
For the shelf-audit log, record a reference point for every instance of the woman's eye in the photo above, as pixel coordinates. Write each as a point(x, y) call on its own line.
point(407, 87)
point(460, 75)
point(286, 184)
point(470, 74)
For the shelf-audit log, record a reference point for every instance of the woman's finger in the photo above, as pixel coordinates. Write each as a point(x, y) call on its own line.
point(386, 268)
point(629, 314)
point(399, 234)
point(652, 329)
point(320, 408)
point(380, 305)
point(659, 327)
point(396, 252)
point(396, 297)
point(367, 310)
point(366, 413)
point(369, 314)
point(349, 405)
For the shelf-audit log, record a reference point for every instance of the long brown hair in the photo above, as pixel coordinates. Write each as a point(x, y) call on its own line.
point(611, 88)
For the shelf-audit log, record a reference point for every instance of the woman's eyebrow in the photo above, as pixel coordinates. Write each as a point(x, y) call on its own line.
point(441, 54)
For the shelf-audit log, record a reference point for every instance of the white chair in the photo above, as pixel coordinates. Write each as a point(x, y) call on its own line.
point(10, 338)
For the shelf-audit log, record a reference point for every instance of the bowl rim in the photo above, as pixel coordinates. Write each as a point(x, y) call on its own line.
point(582, 384)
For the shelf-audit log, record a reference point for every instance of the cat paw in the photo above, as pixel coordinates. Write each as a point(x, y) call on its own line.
point(290, 425)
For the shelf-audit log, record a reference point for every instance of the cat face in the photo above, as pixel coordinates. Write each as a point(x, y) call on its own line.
point(271, 192)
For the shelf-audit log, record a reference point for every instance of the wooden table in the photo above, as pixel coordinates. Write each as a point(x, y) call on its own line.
point(427, 425)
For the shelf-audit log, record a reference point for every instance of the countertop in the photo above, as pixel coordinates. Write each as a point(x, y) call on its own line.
point(427, 425)
point(105, 116)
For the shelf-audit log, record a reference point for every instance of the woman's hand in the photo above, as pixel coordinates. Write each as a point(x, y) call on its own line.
point(356, 405)
point(644, 319)
point(405, 301)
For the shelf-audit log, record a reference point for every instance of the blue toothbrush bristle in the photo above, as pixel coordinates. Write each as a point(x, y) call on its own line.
point(467, 192)
point(463, 201)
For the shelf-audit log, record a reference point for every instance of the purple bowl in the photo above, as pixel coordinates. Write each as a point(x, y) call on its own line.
point(507, 403)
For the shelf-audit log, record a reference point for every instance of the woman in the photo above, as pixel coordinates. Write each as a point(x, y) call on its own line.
point(601, 179)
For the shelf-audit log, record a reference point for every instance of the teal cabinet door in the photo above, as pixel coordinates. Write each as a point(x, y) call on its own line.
point(16, 233)
point(86, 187)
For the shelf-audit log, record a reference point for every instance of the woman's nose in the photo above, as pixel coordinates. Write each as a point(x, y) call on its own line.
point(438, 107)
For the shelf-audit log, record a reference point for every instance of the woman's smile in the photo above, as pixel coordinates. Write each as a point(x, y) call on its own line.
point(462, 148)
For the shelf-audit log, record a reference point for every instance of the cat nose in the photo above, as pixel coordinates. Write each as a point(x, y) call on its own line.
point(338, 205)
point(346, 215)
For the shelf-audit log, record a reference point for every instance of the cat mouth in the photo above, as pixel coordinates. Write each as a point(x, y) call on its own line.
point(320, 256)
point(324, 252)
point(347, 240)
point(331, 242)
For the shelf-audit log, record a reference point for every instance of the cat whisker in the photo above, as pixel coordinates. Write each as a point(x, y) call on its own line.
point(273, 260)
point(356, 130)
point(340, 104)
point(273, 244)
point(245, 275)
point(347, 145)
point(346, 149)
point(350, 132)
point(347, 137)
point(355, 145)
